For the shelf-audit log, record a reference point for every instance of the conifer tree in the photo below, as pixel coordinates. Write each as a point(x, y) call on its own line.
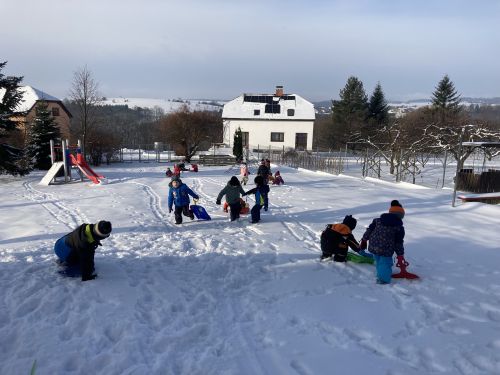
point(43, 129)
point(349, 113)
point(378, 109)
point(445, 97)
point(11, 158)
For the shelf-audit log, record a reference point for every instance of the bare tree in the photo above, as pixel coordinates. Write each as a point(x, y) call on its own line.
point(188, 130)
point(85, 95)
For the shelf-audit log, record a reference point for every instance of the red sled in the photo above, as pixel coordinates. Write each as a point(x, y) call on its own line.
point(200, 212)
point(404, 274)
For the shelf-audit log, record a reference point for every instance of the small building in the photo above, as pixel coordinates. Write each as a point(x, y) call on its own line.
point(25, 113)
point(270, 120)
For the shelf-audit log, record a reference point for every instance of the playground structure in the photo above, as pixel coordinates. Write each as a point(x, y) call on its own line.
point(69, 161)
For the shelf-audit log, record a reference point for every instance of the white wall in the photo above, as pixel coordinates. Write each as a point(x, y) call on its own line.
point(260, 132)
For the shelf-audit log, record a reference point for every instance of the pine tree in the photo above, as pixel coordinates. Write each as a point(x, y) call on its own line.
point(11, 158)
point(378, 109)
point(349, 114)
point(238, 144)
point(40, 133)
point(445, 97)
point(446, 106)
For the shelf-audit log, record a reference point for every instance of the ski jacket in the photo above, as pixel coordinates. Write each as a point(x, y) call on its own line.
point(263, 171)
point(385, 235)
point(336, 239)
point(232, 193)
point(83, 242)
point(244, 171)
point(260, 194)
point(180, 195)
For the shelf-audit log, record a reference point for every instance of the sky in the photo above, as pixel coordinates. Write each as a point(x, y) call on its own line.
point(220, 49)
point(219, 297)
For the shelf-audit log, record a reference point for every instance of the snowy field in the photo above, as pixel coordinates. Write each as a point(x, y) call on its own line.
point(235, 298)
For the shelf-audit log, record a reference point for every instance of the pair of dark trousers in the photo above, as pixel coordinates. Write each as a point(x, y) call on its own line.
point(255, 212)
point(179, 210)
point(234, 210)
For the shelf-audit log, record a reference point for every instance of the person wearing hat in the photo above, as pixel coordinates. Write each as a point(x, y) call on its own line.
point(384, 237)
point(232, 191)
point(178, 195)
point(77, 248)
point(337, 238)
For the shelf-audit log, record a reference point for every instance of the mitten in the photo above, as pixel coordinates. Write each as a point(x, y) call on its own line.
point(169, 209)
point(218, 201)
point(363, 245)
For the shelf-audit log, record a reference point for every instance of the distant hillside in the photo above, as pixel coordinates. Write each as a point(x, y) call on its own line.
point(167, 105)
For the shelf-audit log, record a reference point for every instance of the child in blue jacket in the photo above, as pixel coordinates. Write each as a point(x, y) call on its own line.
point(261, 191)
point(386, 236)
point(178, 195)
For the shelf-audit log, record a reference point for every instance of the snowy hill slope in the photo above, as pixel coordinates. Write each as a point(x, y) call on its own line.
point(167, 105)
point(234, 298)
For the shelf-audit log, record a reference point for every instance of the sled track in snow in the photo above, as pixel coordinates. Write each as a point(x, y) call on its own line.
point(69, 217)
point(154, 202)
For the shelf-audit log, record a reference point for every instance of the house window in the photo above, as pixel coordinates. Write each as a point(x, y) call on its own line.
point(55, 111)
point(256, 112)
point(273, 108)
point(290, 112)
point(300, 141)
point(277, 137)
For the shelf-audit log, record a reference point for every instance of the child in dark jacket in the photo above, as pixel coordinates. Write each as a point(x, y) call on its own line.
point(76, 249)
point(178, 195)
point(232, 192)
point(386, 236)
point(337, 238)
point(260, 191)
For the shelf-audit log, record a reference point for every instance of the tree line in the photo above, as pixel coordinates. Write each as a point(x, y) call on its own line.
point(359, 122)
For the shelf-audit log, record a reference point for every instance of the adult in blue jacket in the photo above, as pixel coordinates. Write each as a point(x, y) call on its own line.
point(386, 236)
point(178, 196)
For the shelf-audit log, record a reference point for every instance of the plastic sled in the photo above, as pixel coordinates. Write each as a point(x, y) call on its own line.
point(404, 274)
point(356, 258)
point(200, 212)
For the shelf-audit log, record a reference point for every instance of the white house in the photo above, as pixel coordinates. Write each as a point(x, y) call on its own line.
point(274, 120)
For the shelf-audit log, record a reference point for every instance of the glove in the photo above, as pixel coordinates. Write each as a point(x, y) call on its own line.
point(401, 261)
point(218, 202)
point(363, 245)
point(169, 209)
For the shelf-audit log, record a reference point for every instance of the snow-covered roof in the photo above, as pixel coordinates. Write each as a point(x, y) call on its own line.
point(269, 107)
point(30, 96)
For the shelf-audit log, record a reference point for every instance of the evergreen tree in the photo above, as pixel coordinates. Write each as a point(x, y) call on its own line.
point(10, 157)
point(349, 114)
point(445, 101)
point(43, 129)
point(445, 97)
point(378, 109)
point(238, 144)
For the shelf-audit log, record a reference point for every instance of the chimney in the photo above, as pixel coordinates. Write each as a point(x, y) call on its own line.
point(279, 91)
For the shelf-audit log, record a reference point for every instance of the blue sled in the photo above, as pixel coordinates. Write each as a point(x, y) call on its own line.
point(200, 212)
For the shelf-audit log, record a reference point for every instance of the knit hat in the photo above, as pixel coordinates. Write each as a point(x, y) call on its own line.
point(176, 178)
point(234, 181)
point(350, 222)
point(397, 208)
point(102, 229)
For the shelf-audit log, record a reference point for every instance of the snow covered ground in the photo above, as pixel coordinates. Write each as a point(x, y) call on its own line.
point(234, 298)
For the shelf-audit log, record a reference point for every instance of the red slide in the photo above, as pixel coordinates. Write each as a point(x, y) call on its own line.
point(86, 170)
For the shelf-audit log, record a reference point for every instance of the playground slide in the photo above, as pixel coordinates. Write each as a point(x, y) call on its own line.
point(51, 173)
point(86, 170)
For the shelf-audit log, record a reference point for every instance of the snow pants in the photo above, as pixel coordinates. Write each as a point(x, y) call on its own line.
point(383, 266)
point(179, 210)
point(255, 212)
point(234, 210)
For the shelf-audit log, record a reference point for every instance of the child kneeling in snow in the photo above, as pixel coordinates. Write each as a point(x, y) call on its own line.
point(337, 238)
point(76, 249)
point(385, 236)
